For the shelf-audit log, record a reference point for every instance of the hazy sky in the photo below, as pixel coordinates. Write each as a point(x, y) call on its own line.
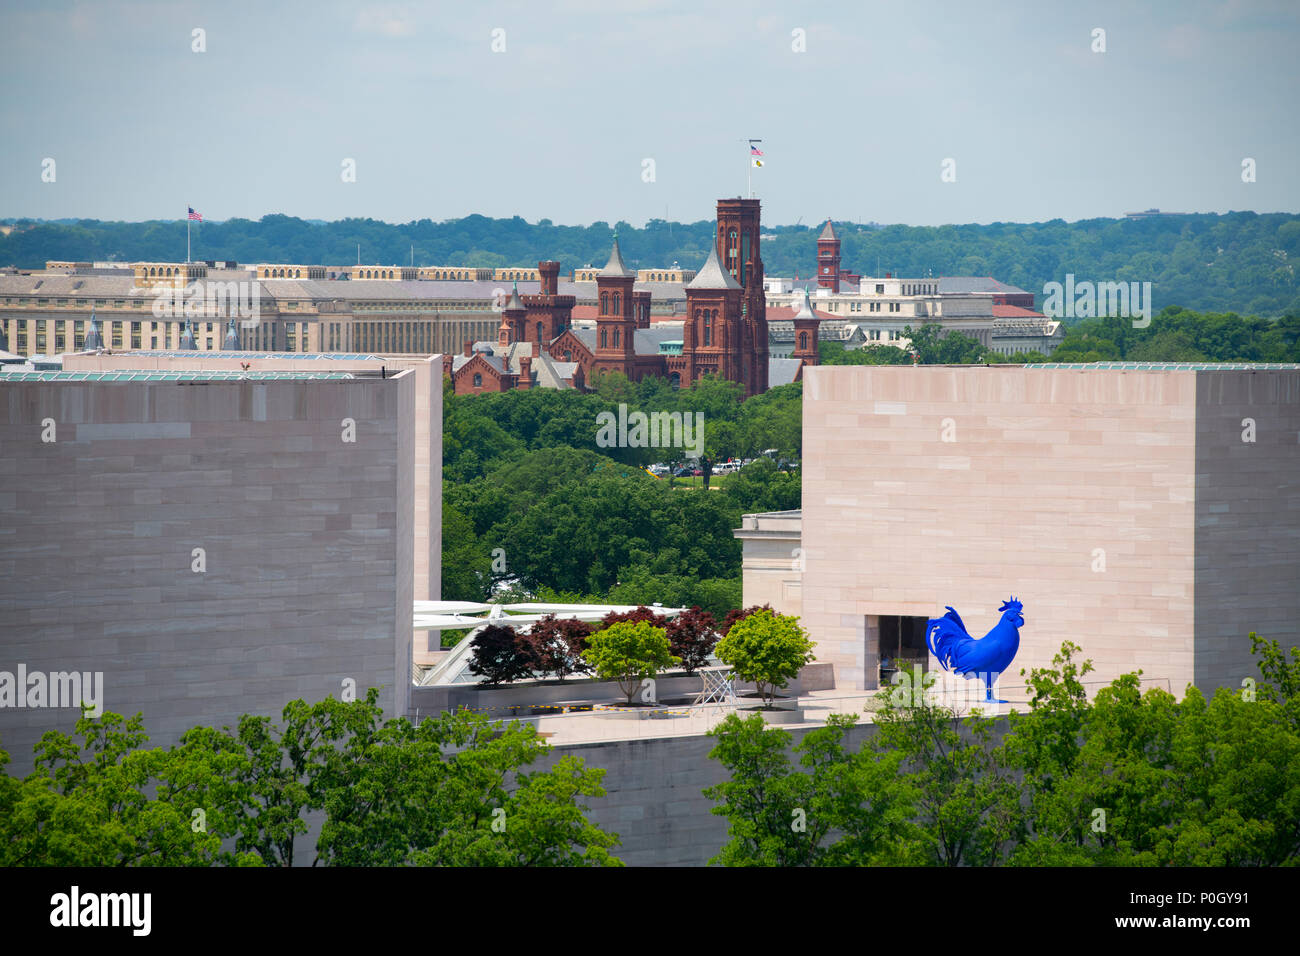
point(558, 124)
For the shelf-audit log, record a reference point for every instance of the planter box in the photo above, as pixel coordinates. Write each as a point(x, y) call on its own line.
point(784, 715)
point(746, 702)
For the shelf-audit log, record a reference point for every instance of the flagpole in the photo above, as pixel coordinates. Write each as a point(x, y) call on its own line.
point(187, 237)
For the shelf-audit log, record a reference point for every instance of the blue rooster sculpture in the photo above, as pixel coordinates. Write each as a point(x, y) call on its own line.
point(982, 658)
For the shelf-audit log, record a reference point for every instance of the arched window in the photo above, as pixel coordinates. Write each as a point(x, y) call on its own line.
point(478, 380)
point(568, 356)
point(617, 310)
point(603, 333)
point(539, 332)
point(604, 303)
point(803, 341)
point(616, 338)
point(708, 328)
point(675, 380)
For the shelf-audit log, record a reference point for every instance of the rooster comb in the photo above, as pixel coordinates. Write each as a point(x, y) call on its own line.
point(1012, 604)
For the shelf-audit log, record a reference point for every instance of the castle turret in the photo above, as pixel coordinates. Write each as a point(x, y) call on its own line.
point(711, 336)
point(806, 324)
point(615, 323)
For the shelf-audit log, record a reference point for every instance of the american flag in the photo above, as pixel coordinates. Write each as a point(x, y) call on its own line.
point(754, 150)
point(196, 216)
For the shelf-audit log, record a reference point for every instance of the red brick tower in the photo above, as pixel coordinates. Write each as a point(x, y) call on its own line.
point(549, 313)
point(828, 258)
point(738, 245)
point(712, 332)
point(615, 322)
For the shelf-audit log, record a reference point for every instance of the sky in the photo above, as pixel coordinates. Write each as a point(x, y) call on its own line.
point(918, 112)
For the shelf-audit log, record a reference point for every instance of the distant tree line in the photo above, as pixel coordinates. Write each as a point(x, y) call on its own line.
point(1239, 261)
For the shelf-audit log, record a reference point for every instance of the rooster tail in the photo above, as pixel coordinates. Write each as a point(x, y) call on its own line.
point(943, 636)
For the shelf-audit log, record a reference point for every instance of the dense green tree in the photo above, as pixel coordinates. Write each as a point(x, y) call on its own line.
point(768, 649)
point(629, 652)
point(466, 569)
point(966, 801)
point(760, 486)
point(89, 803)
point(933, 346)
point(841, 809)
point(452, 791)
point(834, 353)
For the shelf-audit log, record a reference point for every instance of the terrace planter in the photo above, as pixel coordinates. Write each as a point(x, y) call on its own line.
point(784, 710)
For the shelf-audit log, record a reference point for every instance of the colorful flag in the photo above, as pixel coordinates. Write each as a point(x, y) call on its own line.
point(754, 150)
point(198, 217)
point(758, 163)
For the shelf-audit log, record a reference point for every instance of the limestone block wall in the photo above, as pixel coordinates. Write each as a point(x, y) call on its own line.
point(1073, 490)
point(1247, 519)
point(427, 494)
point(772, 565)
point(306, 539)
point(654, 798)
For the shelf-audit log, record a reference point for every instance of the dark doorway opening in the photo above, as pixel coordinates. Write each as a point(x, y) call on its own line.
point(902, 645)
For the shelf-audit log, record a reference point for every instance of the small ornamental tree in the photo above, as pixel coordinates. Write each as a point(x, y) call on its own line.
point(691, 636)
point(739, 615)
point(768, 649)
point(629, 652)
point(641, 613)
point(557, 645)
point(500, 655)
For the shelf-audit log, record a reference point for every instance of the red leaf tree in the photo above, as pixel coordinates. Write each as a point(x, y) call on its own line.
point(500, 655)
point(692, 635)
point(557, 645)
